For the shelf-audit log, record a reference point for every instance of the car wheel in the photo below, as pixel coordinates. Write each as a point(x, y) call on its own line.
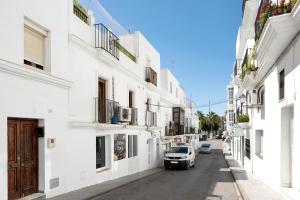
point(166, 167)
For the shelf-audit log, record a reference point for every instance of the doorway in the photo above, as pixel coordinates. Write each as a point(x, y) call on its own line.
point(101, 101)
point(287, 146)
point(22, 155)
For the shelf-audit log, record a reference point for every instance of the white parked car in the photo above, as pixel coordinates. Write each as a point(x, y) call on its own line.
point(180, 156)
point(205, 148)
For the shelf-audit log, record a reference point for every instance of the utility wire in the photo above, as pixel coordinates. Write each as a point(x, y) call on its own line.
point(201, 106)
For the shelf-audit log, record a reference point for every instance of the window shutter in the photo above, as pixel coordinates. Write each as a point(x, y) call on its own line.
point(33, 46)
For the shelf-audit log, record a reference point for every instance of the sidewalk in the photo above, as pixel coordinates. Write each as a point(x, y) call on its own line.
point(95, 190)
point(251, 187)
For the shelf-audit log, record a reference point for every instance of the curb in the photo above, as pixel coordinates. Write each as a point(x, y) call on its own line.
point(242, 195)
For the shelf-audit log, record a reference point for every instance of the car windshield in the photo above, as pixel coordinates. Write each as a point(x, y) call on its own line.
point(205, 145)
point(179, 150)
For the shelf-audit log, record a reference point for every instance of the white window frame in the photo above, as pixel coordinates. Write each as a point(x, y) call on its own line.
point(38, 29)
point(132, 146)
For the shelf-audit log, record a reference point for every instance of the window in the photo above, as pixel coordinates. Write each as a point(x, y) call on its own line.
point(230, 95)
point(231, 116)
point(100, 152)
point(171, 88)
point(261, 101)
point(34, 47)
point(259, 143)
point(281, 84)
point(248, 148)
point(132, 146)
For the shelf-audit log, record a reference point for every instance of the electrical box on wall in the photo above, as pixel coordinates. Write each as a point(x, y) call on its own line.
point(51, 142)
point(40, 132)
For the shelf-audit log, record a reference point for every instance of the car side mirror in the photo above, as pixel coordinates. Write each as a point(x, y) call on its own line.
point(190, 153)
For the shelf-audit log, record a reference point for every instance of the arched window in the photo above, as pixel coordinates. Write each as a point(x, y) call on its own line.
point(261, 101)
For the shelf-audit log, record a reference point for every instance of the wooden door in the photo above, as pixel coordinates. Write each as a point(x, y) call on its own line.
point(22, 151)
point(101, 101)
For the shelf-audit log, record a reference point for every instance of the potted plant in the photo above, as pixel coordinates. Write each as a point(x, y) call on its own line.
point(288, 7)
point(263, 18)
point(273, 9)
point(243, 121)
point(281, 7)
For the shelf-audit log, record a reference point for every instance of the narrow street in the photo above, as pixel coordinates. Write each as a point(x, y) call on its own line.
point(209, 180)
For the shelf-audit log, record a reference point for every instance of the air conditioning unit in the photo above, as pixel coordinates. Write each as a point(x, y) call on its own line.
point(124, 114)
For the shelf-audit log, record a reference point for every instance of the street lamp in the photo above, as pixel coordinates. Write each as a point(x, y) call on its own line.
point(243, 99)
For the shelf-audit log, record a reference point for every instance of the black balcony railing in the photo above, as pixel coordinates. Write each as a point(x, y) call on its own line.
point(106, 111)
point(106, 40)
point(80, 12)
point(268, 9)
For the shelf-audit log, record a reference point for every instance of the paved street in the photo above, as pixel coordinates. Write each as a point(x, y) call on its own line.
point(209, 180)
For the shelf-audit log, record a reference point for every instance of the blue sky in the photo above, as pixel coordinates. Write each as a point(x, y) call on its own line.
point(195, 38)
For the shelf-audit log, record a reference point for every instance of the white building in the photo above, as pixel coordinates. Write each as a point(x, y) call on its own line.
point(265, 87)
point(79, 105)
point(177, 118)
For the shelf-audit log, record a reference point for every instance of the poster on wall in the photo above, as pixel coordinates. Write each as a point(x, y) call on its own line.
point(188, 139)
point(119, 147)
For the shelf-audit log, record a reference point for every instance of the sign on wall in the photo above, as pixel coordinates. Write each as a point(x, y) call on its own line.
point(119, 147)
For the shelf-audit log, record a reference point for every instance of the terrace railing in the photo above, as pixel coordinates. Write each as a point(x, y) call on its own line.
point(106, 40)
point(80, 12)
point(105, 110)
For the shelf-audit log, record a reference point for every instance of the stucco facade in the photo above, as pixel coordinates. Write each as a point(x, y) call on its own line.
point(63, 98)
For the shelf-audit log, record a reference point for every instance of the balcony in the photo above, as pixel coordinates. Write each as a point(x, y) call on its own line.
point(151, 76)
point(269, 8)
point(274, 33)
point(151, 118)
point(106, 111)
point(80, 12)
point(110, 112)
point(237, 70)
point(106, 40)
point(248, 63)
